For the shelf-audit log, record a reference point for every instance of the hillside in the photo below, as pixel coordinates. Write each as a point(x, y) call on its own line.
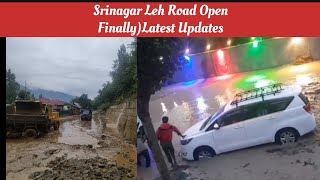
point(56, 95)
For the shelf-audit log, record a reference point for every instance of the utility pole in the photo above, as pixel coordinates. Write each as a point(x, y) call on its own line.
point(25, 89)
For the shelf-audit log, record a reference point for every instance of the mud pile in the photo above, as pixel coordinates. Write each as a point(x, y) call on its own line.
point(95, 168)
point(302, 60)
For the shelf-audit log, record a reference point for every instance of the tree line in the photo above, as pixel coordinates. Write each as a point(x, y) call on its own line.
point(13, 90)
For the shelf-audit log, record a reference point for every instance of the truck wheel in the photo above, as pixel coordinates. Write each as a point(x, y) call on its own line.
point(31, 133)
point(56, 125)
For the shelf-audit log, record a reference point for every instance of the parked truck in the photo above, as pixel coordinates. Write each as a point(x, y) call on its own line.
point(30, 118)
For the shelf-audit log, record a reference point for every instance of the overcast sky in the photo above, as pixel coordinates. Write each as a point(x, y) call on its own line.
point(70, 65)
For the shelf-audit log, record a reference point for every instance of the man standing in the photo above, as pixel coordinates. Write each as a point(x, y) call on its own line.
point(142, 151)
point(164, 134)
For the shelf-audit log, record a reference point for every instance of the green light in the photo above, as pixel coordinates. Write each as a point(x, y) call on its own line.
point(255, 44)
point(264, 82)
point(255, 78)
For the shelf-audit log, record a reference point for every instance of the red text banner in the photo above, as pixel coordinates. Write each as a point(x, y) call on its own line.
point(159, 19)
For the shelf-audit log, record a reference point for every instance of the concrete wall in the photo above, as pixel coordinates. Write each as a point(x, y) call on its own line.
point(242, 58)
point(124, 117)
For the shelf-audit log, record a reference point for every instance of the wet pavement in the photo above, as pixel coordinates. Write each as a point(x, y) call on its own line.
point(187, 103)
point(76, 141)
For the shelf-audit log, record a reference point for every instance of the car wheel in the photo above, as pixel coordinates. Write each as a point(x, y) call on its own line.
point(287, 136)
point(31, 133)
point(203, 153)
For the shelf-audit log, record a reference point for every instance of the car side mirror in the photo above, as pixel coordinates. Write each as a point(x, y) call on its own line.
point(216, 126)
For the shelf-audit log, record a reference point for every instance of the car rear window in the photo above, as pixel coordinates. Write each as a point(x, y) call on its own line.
point(279, 104)
point(303, 98)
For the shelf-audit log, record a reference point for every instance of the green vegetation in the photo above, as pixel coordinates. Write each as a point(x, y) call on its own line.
point(13, 91)
point(25, 95)
point(12, 87)
point(124, 79)
point(84, 101)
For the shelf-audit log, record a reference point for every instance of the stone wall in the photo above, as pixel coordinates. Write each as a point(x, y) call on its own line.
point(124, 116)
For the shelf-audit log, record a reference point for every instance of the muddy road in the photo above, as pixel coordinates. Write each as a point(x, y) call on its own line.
point(187, 103)
point(78, 150)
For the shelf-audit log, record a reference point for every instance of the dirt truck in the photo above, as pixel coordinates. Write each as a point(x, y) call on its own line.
point(28, 118)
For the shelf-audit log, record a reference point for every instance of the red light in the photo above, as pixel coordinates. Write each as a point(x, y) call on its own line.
point(220, 54)
point(222, 62)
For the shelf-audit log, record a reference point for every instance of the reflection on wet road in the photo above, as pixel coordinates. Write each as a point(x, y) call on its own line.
point(187, 103)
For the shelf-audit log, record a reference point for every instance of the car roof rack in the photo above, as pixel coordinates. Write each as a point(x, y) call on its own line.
point(257, 93)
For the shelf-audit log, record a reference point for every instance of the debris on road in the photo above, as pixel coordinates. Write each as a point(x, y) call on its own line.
point(98, 168)
point(246, 165)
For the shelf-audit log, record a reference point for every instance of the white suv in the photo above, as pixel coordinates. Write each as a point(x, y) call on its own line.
point(258, 116)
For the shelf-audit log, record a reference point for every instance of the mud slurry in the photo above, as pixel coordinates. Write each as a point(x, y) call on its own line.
point(78, 150)
point(95, 168)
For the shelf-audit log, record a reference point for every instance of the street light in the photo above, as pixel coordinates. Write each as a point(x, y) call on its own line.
point(229, 42)
point(255, 44)
point(297, 40)
point(220, 54)
point(208, 47)
point(187, 51)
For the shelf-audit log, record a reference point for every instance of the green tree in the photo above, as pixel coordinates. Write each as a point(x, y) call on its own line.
point(40, 96)
point(159, 59)
point(32, 96)
point(24, 95)
point(12, 87)
point(124, 79)
point(83, 100)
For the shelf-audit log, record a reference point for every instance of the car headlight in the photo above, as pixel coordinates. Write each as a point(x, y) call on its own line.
point(185, 141)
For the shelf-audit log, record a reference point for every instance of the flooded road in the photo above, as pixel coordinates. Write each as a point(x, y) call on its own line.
point(187, 103)
point(74, 142)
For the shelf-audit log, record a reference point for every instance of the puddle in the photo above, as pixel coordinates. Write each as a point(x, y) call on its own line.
point(79, 133)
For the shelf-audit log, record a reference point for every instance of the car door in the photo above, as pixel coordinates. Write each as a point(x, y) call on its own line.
point(230, 135)
point(258, 125)
point(262, 118)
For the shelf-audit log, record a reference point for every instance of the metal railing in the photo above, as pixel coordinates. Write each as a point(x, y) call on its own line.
point(257, 93)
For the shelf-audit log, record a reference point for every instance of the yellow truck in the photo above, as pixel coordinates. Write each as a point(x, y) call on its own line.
point(54, 116)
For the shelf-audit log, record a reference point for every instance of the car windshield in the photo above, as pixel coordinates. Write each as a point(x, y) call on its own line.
point(86, 112)
point(212, 117)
